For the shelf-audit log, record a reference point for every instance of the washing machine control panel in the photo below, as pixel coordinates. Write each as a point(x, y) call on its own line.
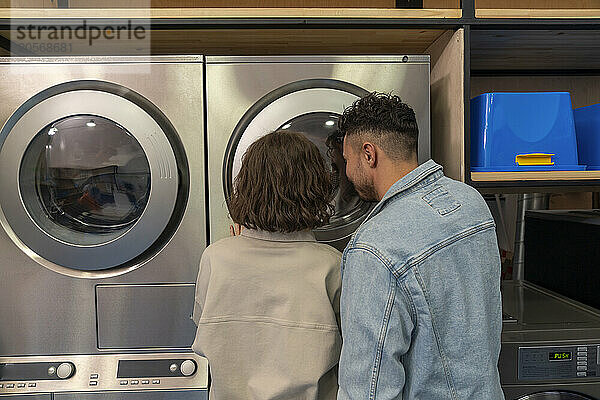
point(543, 363)
point(110, 372)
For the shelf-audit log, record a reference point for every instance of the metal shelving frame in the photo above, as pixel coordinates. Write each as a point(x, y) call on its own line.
point(468, 21)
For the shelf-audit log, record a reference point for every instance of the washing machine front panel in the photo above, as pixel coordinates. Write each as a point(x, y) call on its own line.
point(237, 85)
point(46, 312)
point(550, 345)
point(181, 375)
point(82, 244)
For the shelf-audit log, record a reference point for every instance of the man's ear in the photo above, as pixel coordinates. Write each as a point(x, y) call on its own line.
point(369, 152)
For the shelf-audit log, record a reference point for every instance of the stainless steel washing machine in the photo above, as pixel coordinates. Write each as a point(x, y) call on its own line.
point(550, 346)
point(102, 209)
point(247, 97)
point(164, 376)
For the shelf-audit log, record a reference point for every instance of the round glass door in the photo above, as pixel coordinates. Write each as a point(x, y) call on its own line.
point(85, 180)
point(311, 107)
point(555, 395)
point(91, 179)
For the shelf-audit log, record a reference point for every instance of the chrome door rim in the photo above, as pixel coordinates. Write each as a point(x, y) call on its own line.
point(275, 109)
point(165, 155)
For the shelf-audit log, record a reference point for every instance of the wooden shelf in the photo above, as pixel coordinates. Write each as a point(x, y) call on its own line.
point(535, 176)
point(226, 3)
point(232, 13)
point(537, 13)
point(535, 49)
point(252, 42)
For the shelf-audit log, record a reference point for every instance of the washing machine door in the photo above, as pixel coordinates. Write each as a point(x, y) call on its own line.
point(311, 107)
point(89, 178)
point(551, 395)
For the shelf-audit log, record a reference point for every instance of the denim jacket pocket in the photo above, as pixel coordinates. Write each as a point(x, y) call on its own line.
point(441, 200)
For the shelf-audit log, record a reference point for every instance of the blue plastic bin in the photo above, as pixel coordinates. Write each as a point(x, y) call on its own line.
point(507, 125)
point(587, 126)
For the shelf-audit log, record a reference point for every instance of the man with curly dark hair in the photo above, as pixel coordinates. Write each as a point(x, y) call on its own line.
point(267, 299)
point(421, 308)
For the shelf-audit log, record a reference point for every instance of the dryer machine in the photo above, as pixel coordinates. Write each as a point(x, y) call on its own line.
point(248, 97)
point(102, 210)
point(550, 345)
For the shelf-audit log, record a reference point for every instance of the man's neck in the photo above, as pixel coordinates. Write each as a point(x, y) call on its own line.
point(392, 174)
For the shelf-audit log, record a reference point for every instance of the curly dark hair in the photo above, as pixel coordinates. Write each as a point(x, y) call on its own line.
point(283, 185)
point(384, 119)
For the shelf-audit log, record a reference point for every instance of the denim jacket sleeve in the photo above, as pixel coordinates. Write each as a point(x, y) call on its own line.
point(377, 324)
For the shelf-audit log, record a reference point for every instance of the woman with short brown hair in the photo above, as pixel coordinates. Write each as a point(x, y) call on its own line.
point(267, 300)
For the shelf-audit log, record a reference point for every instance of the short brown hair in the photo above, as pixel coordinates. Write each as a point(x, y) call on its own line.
point(283, 185)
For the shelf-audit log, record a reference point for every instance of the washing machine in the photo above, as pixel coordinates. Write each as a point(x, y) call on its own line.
point(550, 345)
point(248, 97)
point(103, 224)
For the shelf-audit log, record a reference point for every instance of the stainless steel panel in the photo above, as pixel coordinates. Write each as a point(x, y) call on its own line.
point(57, 254)
point(539, 310)
point(149, 316)
point(235, 84)
point(318, 59)
point(543, 319)
point(94, 373)
point(27, 397)
point(98, 60)
point(44, 312)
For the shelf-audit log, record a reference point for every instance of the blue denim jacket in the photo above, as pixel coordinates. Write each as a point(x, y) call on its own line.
point(420, 306)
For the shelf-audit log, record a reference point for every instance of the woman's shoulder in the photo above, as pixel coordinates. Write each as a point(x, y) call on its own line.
point(325, 252)
point(221, 245)
point(325, 248)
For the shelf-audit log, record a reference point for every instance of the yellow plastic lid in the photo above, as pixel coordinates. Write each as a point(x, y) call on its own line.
point(534, 159)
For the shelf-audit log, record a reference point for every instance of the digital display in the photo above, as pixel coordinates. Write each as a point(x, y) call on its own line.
point(560, 356)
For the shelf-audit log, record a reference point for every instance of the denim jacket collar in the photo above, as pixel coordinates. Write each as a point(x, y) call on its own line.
point(299, 236)
point(422, 175)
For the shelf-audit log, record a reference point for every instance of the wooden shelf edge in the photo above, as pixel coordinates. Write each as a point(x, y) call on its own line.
point(537, 13)
point(180, 13)
point(535, 176)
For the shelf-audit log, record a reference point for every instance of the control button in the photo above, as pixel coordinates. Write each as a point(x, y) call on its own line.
point(1, 385)
point(156, 381)
point(94, 376)
point(135, 382)
point(173, 367)
point(582, 368)
point(581, 362)
point(122, 383)
point(145, 381)
point(582, 358)
point(93, 383)
point(64, 370)
point(188, 367)
point(582, 348)
point(10, 385)
point(32, 384)
point(582, 374)
point(20, 385)
point(51, 371)
point(582, 353)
